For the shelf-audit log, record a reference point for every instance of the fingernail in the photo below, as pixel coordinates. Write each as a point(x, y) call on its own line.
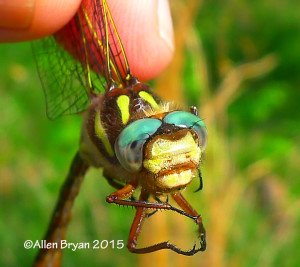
point(165, 23)
point(16, 14)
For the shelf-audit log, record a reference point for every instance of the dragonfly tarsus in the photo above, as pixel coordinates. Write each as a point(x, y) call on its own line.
point(181, 201)
point(135, 231)
point(142, 205)
point(148, 205)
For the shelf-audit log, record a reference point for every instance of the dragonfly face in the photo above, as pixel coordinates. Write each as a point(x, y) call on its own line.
point(166, 148)
point(138, 139)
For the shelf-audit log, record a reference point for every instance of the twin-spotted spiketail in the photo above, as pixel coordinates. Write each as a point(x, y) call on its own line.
point(138, 139)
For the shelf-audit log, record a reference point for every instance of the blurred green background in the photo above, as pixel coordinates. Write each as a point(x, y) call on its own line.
point(239, 62)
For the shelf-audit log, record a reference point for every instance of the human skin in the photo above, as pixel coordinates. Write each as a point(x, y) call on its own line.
point(145, 27)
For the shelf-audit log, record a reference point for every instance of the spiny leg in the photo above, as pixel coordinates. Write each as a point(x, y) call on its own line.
point(181, 201)
point(136, 229)
point(122, 193)
point(62, 214)
point(133, 201)
point(118, 197)
point(148, 215)
point(112, 182)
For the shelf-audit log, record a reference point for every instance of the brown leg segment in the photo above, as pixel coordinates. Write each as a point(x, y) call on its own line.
point(136, 225)
point(62, 214)
point(118, 197)
point(127, 191)
point(136, 229)
point(181, 201)
point(122, 193)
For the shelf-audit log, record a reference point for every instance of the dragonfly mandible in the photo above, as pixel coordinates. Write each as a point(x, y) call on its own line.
point(138, 139)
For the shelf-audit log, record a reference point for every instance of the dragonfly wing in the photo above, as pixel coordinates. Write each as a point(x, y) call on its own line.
point(82, 59)
point(104, 52)
point(63, 79)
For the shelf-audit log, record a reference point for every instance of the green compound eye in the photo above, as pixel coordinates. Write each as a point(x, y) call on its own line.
point(129, 144)
point(188, 120)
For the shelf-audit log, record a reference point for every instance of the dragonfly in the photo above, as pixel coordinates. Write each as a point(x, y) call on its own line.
point(140, 140)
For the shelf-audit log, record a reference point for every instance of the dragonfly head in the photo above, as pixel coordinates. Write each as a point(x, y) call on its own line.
point(167, 149)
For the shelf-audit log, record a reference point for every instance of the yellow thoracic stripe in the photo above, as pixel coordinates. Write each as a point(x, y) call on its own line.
point(101, 134)
point(123, 104)
point(148, 98)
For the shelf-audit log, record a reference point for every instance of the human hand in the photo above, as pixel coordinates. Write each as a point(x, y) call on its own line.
point(145, 27)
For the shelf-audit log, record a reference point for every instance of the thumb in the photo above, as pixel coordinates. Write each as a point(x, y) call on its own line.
point(22, 20)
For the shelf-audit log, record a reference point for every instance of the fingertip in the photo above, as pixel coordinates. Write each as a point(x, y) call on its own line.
point(48, 17)
point(145, 28)
point(16, 14)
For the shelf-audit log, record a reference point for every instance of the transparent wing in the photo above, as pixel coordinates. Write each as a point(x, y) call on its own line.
point(83, 58)
point(63, 79)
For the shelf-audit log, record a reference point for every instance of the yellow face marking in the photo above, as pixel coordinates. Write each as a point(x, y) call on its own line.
point(101, 134)
point(165, 154)
point(123, 104)
point(148, 98)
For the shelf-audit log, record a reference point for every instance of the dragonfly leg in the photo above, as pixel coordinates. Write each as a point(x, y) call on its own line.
point(124, 192)
point(135, 231)
point(142, 205)
point(62, 214)
point(118, 186)
point(181, 201)
point(119, 196)
point(148, 215)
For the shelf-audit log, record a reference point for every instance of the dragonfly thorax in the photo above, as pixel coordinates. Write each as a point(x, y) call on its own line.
point(109, 114)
